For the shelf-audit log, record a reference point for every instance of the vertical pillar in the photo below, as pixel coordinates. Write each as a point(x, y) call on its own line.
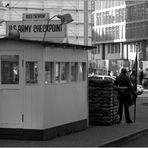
point(127, 48)
point(85, 22)
point(144, 50)
point(103, 51)
point(121, 50)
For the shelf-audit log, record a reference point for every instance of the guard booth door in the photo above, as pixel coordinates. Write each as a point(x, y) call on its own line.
point(11, 96)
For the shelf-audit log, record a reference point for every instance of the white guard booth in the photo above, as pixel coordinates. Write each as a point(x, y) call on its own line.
point(43, 89)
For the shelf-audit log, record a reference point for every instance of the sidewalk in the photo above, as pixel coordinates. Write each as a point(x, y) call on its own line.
point(97, 135)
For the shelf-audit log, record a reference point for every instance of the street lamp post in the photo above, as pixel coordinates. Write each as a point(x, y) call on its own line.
point(65, 19)
point(136, 64)
point(136, 75)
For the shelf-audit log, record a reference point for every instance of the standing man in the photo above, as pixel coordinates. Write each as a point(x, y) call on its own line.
point(124, 84)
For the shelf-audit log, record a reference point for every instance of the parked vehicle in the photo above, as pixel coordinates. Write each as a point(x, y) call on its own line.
point(140, 89)
point(104, 77)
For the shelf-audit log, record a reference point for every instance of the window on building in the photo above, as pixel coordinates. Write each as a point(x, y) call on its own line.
point(107, 17)
point(49, 72)
point(107, 33)
point(74, 68)
point(110, 33)
point(121, 15)
point(64, 71)
point(57, 72)
point(131, 47)
point(31, 72)
point(109, 48)
point(10, 69)
point(117, 32)
point(112, 48)
point(98, 50)
point(98, 19)
point(116, 48)
point(117, 15)
point(82, 71)
point(98, 34)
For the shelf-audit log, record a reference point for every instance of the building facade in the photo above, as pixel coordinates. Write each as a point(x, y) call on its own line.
point(120, 30)
point(78, 32)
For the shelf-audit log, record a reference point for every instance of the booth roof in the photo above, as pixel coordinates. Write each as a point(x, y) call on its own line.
point(49, 43)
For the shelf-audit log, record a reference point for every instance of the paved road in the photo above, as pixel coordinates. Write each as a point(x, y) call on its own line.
point(142, 103)
point(138, 142)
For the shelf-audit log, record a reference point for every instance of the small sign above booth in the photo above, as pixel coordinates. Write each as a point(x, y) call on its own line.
point(35, 16)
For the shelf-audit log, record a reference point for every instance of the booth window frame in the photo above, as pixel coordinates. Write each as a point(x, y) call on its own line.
point(9, 69)
point(16, 69)
point(62, 72)
point(31, 72)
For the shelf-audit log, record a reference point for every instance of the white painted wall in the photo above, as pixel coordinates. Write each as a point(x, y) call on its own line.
point(46, 106)
point(11, 101)
point(33, 93)
point(65, 55)
point(65, 103)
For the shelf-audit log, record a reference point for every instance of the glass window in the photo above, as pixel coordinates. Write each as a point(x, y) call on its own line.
point(31, 72)
point(49, 71)
point(82, 71)
point(73, 71)
point(109, 48)
point(57, 72)
point(112, 48)
point(117, 48)
point(10, 69)
point(131, 47)
point(64, 71)
point(98, 50)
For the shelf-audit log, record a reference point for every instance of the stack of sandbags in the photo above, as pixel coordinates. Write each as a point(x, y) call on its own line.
point(103, 103)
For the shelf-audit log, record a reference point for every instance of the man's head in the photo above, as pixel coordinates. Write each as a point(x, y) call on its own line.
point(123, 71)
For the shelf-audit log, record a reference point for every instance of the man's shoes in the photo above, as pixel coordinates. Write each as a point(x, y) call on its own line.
point(129, 121)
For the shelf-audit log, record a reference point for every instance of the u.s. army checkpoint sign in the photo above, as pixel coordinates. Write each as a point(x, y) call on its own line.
point(35, 29)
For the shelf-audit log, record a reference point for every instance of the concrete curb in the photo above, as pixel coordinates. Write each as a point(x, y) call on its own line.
point(121, 140)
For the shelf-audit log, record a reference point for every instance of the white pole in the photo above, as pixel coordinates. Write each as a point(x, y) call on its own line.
point(85, 22)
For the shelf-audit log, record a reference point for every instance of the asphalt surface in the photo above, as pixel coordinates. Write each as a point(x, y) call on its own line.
point(137, 142)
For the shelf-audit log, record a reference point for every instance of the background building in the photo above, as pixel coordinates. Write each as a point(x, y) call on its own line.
point(78, 32)
point(120, 30)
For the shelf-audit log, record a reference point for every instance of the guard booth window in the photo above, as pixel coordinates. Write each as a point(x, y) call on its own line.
point(57, 72)
point(64, 71)
point(74, 70)
point(82, 71)
point(10, 69)
point(49, 72)
point(31, 72)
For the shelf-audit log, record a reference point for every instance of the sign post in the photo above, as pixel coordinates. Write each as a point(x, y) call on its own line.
point(136, 65)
